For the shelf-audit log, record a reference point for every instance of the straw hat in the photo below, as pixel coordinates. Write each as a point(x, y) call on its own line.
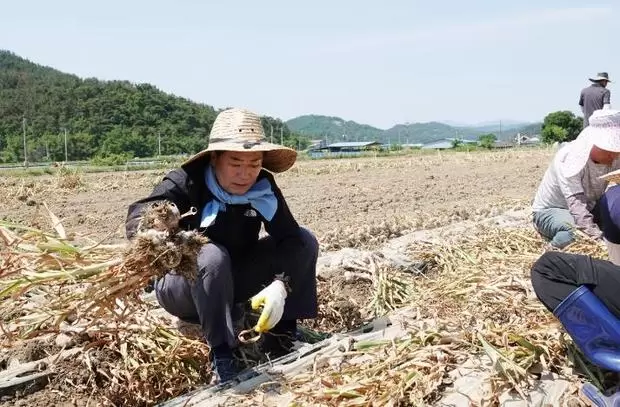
point(612, 177)
point(601, 76)
point(241, 130)
point(603, 131)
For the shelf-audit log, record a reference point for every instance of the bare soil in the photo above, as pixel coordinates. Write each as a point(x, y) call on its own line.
point(352, 202)
point(65, 387)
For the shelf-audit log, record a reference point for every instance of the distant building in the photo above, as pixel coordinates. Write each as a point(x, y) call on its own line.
point(446, 144)
point(525, 140)
point(352, 146)
point(502, 144)
point(438, 145)
point(317, 144)
point(463, 141)
point(349, 148)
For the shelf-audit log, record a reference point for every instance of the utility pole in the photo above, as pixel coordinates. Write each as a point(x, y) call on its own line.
point(159, 144)
point(281, 137)
point(500, 130)
point(25, 151)
point(271, 125)
point(66, 152)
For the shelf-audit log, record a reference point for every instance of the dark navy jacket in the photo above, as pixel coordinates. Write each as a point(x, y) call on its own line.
point(237, 228)
point(609, 209)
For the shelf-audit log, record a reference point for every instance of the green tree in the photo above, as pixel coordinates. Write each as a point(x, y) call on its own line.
point(80, 146)
point(456, 143)
point(487, 140)
point(552, 133)
point(561, 126)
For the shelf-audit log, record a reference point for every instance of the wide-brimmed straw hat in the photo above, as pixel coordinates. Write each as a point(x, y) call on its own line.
point(601, 76)
point(242, 130)
point(603, 131)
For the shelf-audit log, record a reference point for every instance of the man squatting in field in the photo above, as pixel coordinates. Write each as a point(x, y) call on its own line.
point(234, 195)
point(568, 198)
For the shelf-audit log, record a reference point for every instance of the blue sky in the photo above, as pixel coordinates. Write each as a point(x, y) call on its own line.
point(402, 61)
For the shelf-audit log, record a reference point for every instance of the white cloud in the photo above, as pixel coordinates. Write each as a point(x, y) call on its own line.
point(509, 25)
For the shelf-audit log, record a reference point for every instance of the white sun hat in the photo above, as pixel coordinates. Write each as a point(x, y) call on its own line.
point(242, 130)
point(603, 131)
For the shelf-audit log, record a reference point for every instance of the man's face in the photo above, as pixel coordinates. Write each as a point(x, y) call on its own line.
point(236, 171)
point(600, 156)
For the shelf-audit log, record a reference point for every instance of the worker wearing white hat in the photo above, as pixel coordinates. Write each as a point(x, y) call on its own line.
point(568, 195)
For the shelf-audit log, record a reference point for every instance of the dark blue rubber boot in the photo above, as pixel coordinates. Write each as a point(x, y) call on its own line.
point(594, 329)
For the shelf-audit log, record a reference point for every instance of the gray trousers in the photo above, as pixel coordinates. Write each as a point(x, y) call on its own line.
point(224, 281)
point(558, 225)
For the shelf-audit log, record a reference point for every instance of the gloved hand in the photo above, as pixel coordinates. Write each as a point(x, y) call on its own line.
point(272, 299)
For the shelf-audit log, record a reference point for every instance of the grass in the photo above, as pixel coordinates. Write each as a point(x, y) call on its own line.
point(92, 293)
point(474, 301)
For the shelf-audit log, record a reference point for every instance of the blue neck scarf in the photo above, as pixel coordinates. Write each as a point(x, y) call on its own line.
point(260, 197)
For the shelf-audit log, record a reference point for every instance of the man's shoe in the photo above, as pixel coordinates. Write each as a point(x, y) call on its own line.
point(223, 364)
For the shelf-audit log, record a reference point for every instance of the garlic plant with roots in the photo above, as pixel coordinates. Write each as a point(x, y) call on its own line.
point(160, 245)
point(161, 216)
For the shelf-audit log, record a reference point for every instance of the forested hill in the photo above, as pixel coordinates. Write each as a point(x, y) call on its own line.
point(102, 118)
point(332, 128)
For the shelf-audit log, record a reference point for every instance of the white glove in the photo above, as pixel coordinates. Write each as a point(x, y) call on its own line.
point(272, 299)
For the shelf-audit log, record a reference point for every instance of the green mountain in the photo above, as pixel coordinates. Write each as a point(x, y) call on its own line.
point(102, 118)
point(333, 129)
point(421, 133)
